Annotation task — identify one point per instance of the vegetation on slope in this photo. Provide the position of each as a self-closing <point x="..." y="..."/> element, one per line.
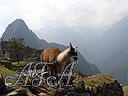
<point x="125" y="89"/>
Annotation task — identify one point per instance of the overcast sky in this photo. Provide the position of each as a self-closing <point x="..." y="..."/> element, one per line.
<point x="41" y="13"/>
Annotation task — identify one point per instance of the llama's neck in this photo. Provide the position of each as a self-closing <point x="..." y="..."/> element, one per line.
<point x="63" y="56"/>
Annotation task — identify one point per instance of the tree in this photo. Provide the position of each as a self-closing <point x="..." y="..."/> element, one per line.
<point x="17" y="46"/>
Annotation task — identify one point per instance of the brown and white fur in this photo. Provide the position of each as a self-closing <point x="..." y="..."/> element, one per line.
<point x="60" y="57"/>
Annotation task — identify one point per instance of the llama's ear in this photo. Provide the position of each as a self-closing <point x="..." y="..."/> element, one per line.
<point x="75" y="47"/>
<point x="70" y="45"/>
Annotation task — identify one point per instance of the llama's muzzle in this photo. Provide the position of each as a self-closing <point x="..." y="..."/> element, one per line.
<point x="75" y="57"/>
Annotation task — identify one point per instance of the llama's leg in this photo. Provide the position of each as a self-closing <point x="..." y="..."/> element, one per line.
<point x="50" y="70"/>
<point x="55" y="71"/>
<point x="52" y="74"/>
<point x="46" y="69"/>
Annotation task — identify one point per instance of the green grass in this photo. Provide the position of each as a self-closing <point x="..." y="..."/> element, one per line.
<point x="5" y="71"/>
<point x="22" y="63"/>
<point x="99" y="79"/>
<point x="90" y="82"/>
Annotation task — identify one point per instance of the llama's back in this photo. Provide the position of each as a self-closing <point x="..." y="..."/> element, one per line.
<point x="50" y="54"/>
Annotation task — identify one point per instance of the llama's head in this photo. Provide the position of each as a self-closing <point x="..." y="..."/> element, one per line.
<point x="73" y="52"/>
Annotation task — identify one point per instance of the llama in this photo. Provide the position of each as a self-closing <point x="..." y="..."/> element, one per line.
<point x="59" y="57"/>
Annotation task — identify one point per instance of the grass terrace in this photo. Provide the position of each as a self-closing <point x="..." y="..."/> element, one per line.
<point x="22" y="63"/>
<point x="5" y="71"/>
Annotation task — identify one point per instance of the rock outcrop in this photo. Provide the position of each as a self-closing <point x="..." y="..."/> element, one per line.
<point x="96" y="85"/>
<point x="101" y="85"/>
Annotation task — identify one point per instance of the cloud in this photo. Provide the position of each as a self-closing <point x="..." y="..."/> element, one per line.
<point x="42" y="13"/>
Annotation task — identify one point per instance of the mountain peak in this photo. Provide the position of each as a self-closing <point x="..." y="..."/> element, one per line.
<point x="18" y="23"/>
<point x="17" y="28"/>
